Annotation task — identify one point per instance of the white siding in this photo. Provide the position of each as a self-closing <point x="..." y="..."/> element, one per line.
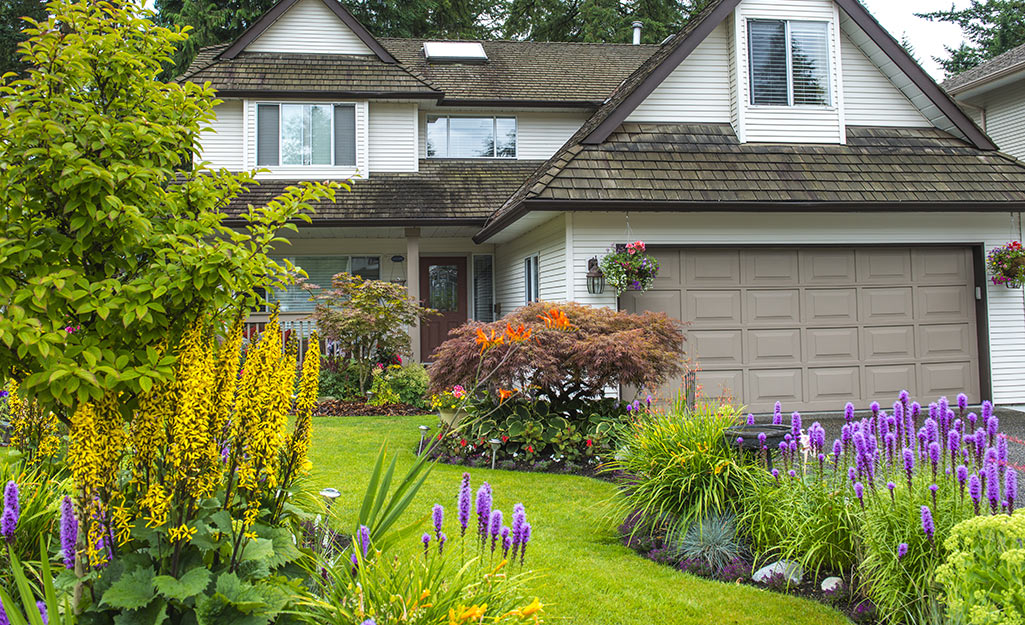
<point x="593" y="233"/>
<point x="1005" y="119"/>
<point x="309" y="27"/>
<point x="870" y="98"/>
<point x="548" y="241"/>
<point x="393" y="137"/>
<point x="790" y="124"/>
<point x="223" y="142"/>
<point x="698" y="90"/>
<point x="309" y="173"/>
<point x="539" y="134"/>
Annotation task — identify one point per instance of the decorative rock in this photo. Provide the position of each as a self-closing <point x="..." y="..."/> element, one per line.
<point x="791" y="571"/>
<point x="832" y="584"/>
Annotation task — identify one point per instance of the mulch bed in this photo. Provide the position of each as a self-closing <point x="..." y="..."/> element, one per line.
<point x="483" y="461"/>
<point x="342" y="408"/>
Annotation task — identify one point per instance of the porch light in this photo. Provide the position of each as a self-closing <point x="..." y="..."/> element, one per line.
<point x="595" y="278"/>
<point x="495" y="444"/>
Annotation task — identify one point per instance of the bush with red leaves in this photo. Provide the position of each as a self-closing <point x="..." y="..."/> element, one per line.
<point x="602" y="348"/>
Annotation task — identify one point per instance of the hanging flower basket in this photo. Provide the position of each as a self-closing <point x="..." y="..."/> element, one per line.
<point x="629" y="268"/>
<point x="1007" y="265"/>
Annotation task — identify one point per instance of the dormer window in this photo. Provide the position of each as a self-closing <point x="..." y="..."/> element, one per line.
<point x="789" y="63"/>
<point x="306" y="135"/>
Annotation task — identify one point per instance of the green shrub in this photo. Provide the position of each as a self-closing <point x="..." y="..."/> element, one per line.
<point x="983" y="577"/>
<point x="339" y="381"/>
<point x="677" y="464"/>
<point x="410" y="382"/>
<point x="713" y="541"/>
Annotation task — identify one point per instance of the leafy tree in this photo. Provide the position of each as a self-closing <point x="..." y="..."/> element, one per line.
<point x="211" y="21"/>
<point x="597" y="20"/>
<point x="991" y="27"/>
<point x="11" y="25"/>
<point x="108" y="249"/>
<point x="456" y="19"/>
<point x="367" y="320"/>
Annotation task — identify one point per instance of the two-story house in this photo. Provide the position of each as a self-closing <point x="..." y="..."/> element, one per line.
<point x="820" y="207"/>
<point x="994" y="95"/>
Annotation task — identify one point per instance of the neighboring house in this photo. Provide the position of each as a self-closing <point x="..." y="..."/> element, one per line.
<point x="994" y="95"/>
<point x="820" y="207"/>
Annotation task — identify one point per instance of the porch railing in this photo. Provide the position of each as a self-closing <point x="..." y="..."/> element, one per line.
<point x="302" y="325"/>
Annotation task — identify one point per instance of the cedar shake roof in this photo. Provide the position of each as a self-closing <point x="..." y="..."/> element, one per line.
<point x="648" y="166"/>
<point x="1009" y="62"/>
<point x="528" y="71"/>
<point x="443" y="191"/>
<point x="304" y="74"/>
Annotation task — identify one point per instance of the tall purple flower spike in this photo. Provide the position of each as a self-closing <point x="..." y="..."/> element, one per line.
<point x="1011" y="488"/>
<point x="496" y="528"/>
<point x="438" y="516"/>
<point x="506" y="541"/>
<point x="465" y="504"/>
<point x="975" y="490"/>
<point x="750" y="419"/>
<point x="859" y="492"/>
<point x="484" y="501"/>
<point x="426" y="540"/>
<point x="68" y="533"/>
<point x="962" y="402"/>
<point x="526" y="539"/>
<point x="848" y="412"/>
<point x="795" y="425"/>
<point x="902" y="550"/>
<point x="837" y="451"/>
<point x="364" y="539"/>
<point x="777" y="414"/>
<point x="11" y="512"/>
<point x="962" y="477"/>
<point x="909" y="464"/>
<point x="992" y="428"/>
<point x="927" y="523"/>
<point x="993" y="486"/>
<point x="874" y="407"/>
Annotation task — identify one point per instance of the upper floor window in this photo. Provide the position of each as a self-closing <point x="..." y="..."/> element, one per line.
<point x="306" y="135"/>
<point x="471" y="137"/>
<point x="789" y="62"/>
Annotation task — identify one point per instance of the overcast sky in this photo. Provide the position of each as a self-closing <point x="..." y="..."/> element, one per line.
<point x="927" y="38"/>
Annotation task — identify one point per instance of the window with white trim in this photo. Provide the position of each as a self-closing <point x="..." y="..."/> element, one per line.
<point x="789" y="62"/>
<point x="321" y="269"/>
<point x="306" y="135"/>
<point x="483" y="288"/>
<point x="450" y="136"/>
<point x="531" y="278"/>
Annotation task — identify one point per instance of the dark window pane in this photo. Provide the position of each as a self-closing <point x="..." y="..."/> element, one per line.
<point x="443" y="288"/>
<point x="809" y="55"/>
<point x="483" y="288"/>
<point x="267" y="135"/>
<point x="345" y="135"/>
<point x="767" y="44"/>
<point x="367" y="267"/>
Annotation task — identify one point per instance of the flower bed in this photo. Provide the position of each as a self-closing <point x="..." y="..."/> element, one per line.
<point x="343" y="408"/>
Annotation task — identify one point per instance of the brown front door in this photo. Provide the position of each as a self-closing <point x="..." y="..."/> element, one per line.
<point x="443" y="288"/>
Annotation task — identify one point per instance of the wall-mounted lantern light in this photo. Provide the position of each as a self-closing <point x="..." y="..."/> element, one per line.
<point x="595" y="278"/>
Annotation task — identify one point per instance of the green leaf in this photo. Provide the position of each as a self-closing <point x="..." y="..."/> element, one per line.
<point x="133" y="590"/>
<point x="155" y="613"/>
<point x="193" y="582"/>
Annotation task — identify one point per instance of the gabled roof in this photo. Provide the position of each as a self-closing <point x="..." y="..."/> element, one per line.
<point x="704" y="167"/>
<point x="283" y="6"/>
<point x="1000" y="66"/>
<point x="305" y="75"/>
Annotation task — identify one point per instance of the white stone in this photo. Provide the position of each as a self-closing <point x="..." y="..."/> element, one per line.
<point x="792" y="571"/>
<point x="832" y="584"/>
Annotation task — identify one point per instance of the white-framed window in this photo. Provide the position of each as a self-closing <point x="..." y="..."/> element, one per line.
<point x="483" y="280"/>
<point x="464" y="136"/>
<point x="531" y="276"/>
<point x="305" y="135"/>
<point x="320" y="270"/>
<point x="789" y="63"/>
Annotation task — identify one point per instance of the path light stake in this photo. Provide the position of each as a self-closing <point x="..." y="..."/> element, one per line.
<point x="329" y="495"/>
<point x="424" y="429"/>
<point x="495" y="444"/>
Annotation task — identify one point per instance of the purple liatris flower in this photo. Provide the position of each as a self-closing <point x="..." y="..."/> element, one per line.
<point x="426" y="540"/>
<point x="932" y="430"/>
<point x="916" y="411"/>
<point x="932" y="489"/>
<point x="42" y="612"/>
<point x="927" y="524"/>
<point x="962" y="402"/>
<point x="526" y="539"/>
<point x="962" y="477"/>
<point x="775" y="475"/>
<point x="369" y="621"/>
<point x="1002" y="451"/>
<point x="902" y="550"/>
<point x="740" y="441"/>
<point x="465" y="503"/>
<point x="975" y="490"/>
<point x="992" y="427"/>
<point x="993" y="486"/>
<point x="934" y="456"/>
<point x="3" y="615"/>
<point x="859" y="492"/>
<point x="909" y="463"/>
<point x="852" y="475"/>
<point x="846" y="435"/>
<point x="1011" y="488"/>
<point x="364" y="539"/>
<point x="506" y="542"/>
<point x="442" y="539"/>
<point x="777" y="414"/>
<point x="972" y="419"/>
<point x="69" y="533"/>
<point x="848" y="412"/>
<point x="484" y="501"/>
<point x="795" y="425"/>
<point x="987" y="410"/>
<point x="837" y="451"/>
<point x="874" y="407"/>
<point x="438" y="516"/>
<point x="496" y="528"/>
<point x="761" y="440"/>
<point x="817" y="436"/>
<point x="750" y="419"/>
<point x="792" y="473"/>
<point x="891" y="486"/>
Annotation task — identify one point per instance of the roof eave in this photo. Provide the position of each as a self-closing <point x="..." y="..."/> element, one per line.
<point x="988" y="83"/>
<point x="278" y="93"/>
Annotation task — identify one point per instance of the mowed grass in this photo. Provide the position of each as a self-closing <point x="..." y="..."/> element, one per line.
<point x="584" y="576"/>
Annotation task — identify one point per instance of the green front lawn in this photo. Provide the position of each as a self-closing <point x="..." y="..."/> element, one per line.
<point x="585" y="576"/>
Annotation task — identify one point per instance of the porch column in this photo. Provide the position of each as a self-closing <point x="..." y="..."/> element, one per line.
<point x="413" y="282"/>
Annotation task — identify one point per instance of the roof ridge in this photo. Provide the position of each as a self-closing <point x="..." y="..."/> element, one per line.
<point x="980" y="72"/>
<point x="533" y="41"/>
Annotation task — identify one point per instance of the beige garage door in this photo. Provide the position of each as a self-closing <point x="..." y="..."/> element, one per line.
<point x="816" y="327"/>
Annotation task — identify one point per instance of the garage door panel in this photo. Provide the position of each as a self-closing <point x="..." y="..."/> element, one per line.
<point x="767" y="386"/>
<point x="716" y="268"/>
<point x="773" y="307"/>
<point x="721" y="308"/>
<point x="941" y="265"/>
<point x="827" y="267"/>
<point x="943" y="303"/>
<point x="834" y="385"/>
<point x="774" y="346"/>
<point x="831" y="345"/>
<point x="668" y="302"/>
<point x="945" y="341"/>
<point x="717" y="347"/>
<point x="883" y="265"/>
<point x="831" y="306"/>
<point x="670" y="273"/>
<point x="721" y="383"/>
<point x="887" y="305"/>
<point x="948" y="378"/>
<point x="770" y="267"/>
<point x="897" y="342"/>
<point x="885" y="382"/>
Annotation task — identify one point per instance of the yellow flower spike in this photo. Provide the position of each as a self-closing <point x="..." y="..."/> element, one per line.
<point x="532" y="608"/>
<point x="309" y="386"/>
<point x="183" y="533"/>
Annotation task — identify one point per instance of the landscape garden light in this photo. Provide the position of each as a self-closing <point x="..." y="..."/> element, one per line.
<point x="495" y="444"/>
<point x="329" y="495"/>
<point x="595" y="277"/>
<point x="424" y="429"/>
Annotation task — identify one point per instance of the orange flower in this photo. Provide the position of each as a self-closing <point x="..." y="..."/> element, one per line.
<point x="556" y="319"/>
<point x="504" y="394"/>
<point x="487" y="342"/>
<point x="517" y="335"/>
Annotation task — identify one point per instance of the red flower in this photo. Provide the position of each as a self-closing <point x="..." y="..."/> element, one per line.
<point x="439" y="436"/>
<point x="530" y="448"/>
<point x="505" y="439"/>
<point x="589" y="443"/>
<point x="463" y="442"/>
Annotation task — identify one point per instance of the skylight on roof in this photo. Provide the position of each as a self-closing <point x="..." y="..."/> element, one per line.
<point x="455" y="52"/>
